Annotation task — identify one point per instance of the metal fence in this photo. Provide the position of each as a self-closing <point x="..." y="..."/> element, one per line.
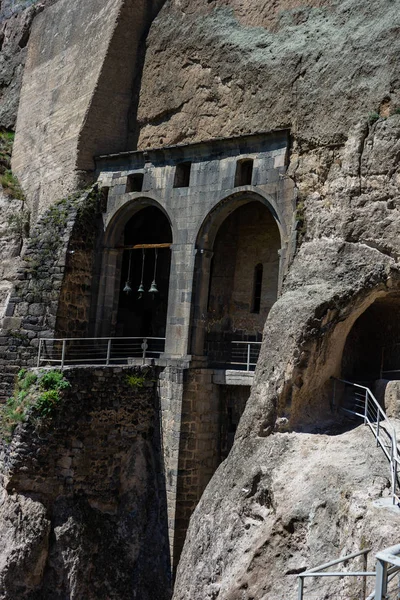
<point x="390" y="362"/>
<point x="98" y="351"/>
<point x="244" y="355"/>
<point x="387" y="582"/>
<point x="320" y="571"/>
<point x="366" y="407"/>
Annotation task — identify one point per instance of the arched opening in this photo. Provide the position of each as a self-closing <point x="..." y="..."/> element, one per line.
<point x="243" y="283"/>
<point x="144" y="281"/>
<point x="372" y="349"/>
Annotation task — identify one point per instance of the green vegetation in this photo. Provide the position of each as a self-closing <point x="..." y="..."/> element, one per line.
<point x="135" y="381"/>
<point x="8" y="181"/>
<point x="19" y="223"/>
<point x="40" y="393"/>
<point x="10" y="185"/>
<point x="373" y="117"/>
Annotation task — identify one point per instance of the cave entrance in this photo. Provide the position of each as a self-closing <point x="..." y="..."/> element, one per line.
<point x="144" y="282"/>
<point x="243" y="285"/>
<point x="372" y="348"/>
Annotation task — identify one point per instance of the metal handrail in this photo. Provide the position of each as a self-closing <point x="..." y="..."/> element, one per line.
<point x="376" y="425"/>
<point x="384" y="573"/>
<point x="247" y="362"/>
<point x="101" y="351"/>
<point x="315" y="571"/>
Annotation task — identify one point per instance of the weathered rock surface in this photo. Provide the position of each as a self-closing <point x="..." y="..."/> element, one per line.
<point x="82" y="511"/>
<point x="15" y="25"/>
<point x="12" y="215"/>
<point x="321" y="70"/>
<point x="215" y="69"/>
<point x="281" y="504"/>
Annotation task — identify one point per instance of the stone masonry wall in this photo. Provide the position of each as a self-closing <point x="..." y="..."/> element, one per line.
<point x="77" y="92"/>
<point x="199" y="448"/>
<point x="90" y="482"/>
<point x="39" y="296"/>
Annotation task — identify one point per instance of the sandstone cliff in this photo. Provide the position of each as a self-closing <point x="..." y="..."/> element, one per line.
<point x="322" y="69"/>
<point x="15" y="25"/>
<point x="328" y="70"/>
<point x="282" y="504"/>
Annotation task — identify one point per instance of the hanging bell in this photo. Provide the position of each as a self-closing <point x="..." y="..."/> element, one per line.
<point x="141" y="291"/>
<point x="153" y="288"/>
<point x="127" y="289"/>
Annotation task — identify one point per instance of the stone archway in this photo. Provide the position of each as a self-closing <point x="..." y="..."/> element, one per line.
<point x="238" y="272"/>
<point x="136" y="250"/>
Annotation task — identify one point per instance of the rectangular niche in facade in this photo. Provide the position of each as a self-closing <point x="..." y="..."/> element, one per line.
<point x="134" y="182"/>
<point x="244" y="172"/>
<point x="182" y="175"/>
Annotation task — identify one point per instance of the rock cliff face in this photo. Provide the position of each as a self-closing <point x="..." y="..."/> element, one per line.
<point x="222" y="68"/>
<point x="82" y="497"/>
<point x="283" y="504"/>
<point x="15" y="26"/>
<point x="281" y="501"/>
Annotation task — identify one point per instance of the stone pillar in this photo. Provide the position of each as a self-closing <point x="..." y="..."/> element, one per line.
<point x="199" y="448"/>
<point x="201" y="289"/>
<point x="179" y="300"/>
<point x="170" y="389"/>
<point x="107" y="305"/>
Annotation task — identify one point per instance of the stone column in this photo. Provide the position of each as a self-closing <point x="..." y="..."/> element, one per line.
<point x="202" y="284"/>
<point x="107" y="304"/>
<point x="179" y="300"/>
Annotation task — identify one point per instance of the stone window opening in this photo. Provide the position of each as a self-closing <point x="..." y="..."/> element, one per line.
<point x="257" y="288"/>
<point x="105" y="191"/>
<point x="244" y="172"/>
<point x="182" y="175"/>
<point x="134" y="183"/>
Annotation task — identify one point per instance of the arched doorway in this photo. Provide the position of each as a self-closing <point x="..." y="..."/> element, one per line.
<point x="137" y="251"/>
<point x="372" y="348"/>
<point x="243" y="282"/>
<point x="144" y="281"/>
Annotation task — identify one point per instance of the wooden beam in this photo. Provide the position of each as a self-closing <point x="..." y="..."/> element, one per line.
<point x="144" y="246"/>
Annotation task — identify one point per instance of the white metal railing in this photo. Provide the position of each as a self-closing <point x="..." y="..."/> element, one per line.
<point x="387" y="569"/>
<point x="368" y="408"/>
<point x="319" y="571"/>
<point x="390" y="362"/>
<point x="97" y="351"/>
<point x="245" y="354"/>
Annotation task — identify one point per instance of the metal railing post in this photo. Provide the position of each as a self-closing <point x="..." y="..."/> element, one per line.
<point x="248" y="356"/>
<point x="378" y="428"/>
<point x="364" y="584"/>
<point x="63" y="353"/>
<point x="366" y="408"/>
<point x="40" y="352"/>
<point x="381" y="579"/>
<point x="108" y="352"/>
<point x="333" y="397"/>
<point x="301" y="588"/>
<point x="395" y="456"/>
<point x="144" y="348"/>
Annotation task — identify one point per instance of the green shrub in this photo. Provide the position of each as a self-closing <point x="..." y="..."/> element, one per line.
<point x="373" y="117"/>
<point x="47" y="402"/>
<point x="41" y="393"/>
<point x="11" y="186"/>
<point x="53" y="380"/>
<point x="135" y="381"/>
